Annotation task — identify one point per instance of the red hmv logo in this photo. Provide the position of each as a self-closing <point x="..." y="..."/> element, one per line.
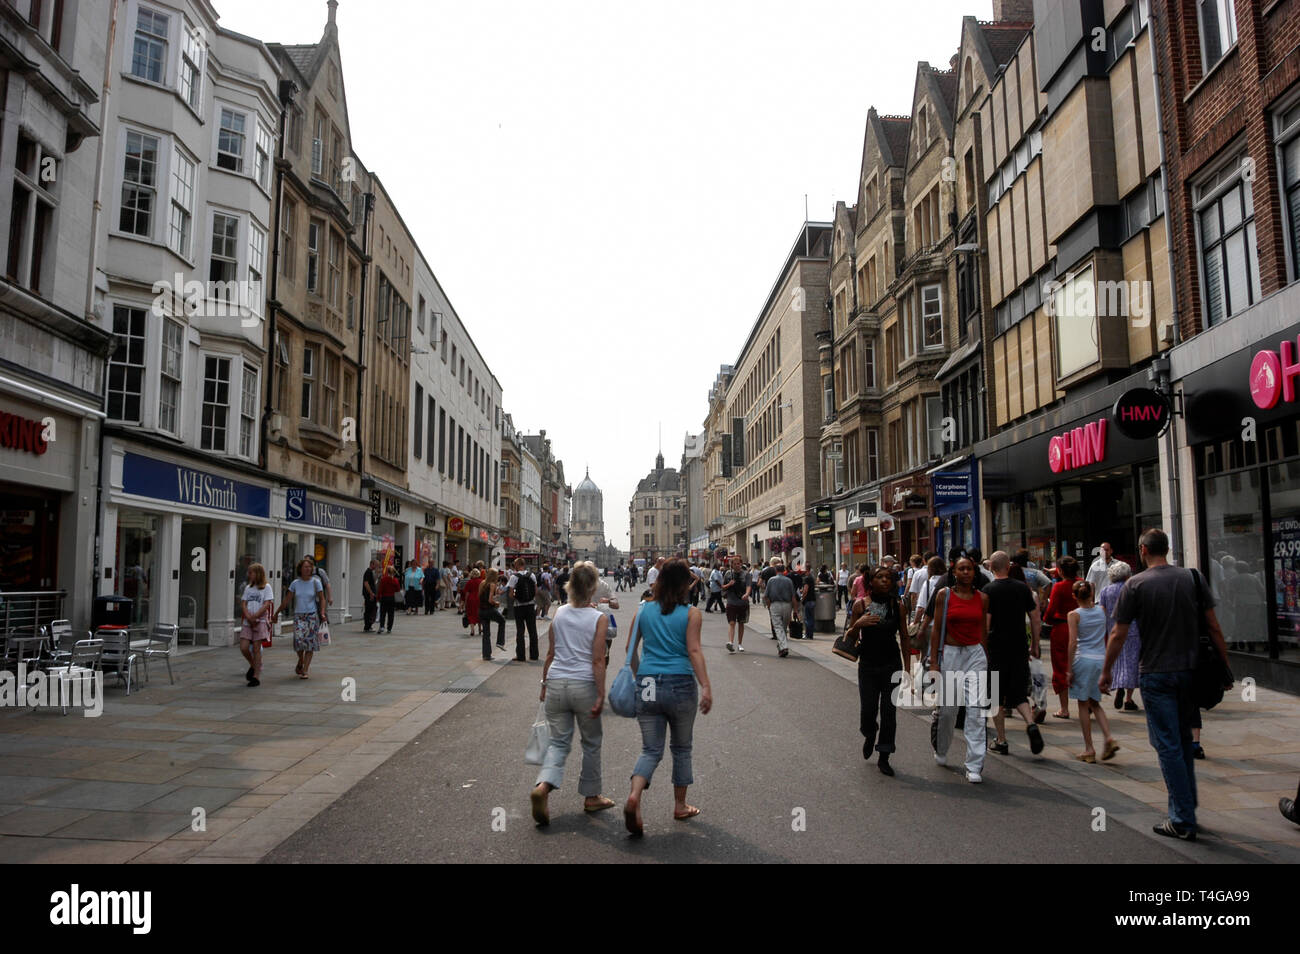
<point x="1272" y="376"/>
<point x="1078" y="448"/>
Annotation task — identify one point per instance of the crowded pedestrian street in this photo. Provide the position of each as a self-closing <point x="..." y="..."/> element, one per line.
<point x="426" y="765"/>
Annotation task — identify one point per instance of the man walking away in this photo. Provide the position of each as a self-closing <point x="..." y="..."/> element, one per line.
<point x="1167" y="602"/>
<point x="1009" y="602"/>
<point x="715" y="590"/>
<point x="431" y="577"/>
<point x="736" y="588"/>
<point x="522" y="587"/>
<point x="778" y="595"/>
<point x="370" y="594"/>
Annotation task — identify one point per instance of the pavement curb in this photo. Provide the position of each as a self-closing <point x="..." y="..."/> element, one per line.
<point x="261" y="834"/>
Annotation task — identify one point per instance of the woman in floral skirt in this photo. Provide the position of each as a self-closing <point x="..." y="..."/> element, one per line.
<point x="307" y="596"/>
<point x="1124" y="677"/>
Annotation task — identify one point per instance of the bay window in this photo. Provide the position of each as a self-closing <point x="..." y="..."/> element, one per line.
<point x="182" y="203"/>
<point x="169" y="383"/>
<point x="139" y="184"/>
<point x="230" y="140"/>
<point x="247" y="411"/>
<point x="149" y="50"/>
<point x="216" y="403"/>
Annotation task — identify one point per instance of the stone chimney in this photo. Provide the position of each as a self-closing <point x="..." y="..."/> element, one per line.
<point x="334" y="9"/>
<point x="1014" y="11"/>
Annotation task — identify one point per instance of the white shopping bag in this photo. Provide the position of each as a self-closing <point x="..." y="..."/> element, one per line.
<point x="538" y="739"/>
<point x="1038" y="679"/>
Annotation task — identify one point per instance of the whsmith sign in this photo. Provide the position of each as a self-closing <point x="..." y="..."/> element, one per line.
<point x="147" y="477"/>
<point x="299" y="508"/>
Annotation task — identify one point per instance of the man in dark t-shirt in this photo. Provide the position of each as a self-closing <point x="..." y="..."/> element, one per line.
<point x="1010" y="601"/>
<point x="370" y="594"/>
<point x="1171" y="601"/>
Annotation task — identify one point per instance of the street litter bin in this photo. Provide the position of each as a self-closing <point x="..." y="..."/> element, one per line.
<point x="111" y="611"/>
<point x="824" y="608"/>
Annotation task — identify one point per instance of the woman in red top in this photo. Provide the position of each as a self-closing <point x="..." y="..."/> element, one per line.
<point x="389" y="584"/>
<point x="1059" y="605"/>
<point x="471" y="596"/>
<point x="961" y="624"/>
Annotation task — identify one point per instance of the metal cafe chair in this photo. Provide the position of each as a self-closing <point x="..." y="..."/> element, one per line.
<point x="157" y="644"/>
<point x="25" y="651"/>
<point x="81" y="664"/>
<point x="60" y="639"/>
<point x="118" y="657"/>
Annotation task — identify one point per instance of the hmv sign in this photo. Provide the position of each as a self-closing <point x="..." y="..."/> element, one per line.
<point x="1080" y="447"/>
<point x="1141" y="414"/>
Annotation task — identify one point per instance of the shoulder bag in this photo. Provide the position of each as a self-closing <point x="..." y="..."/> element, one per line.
<point x="848" y="646"/>
<point x="622" y="694"/>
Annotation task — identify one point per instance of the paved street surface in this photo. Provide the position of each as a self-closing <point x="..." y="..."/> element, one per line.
<point x="781" y="742"/>
<point x="415" y="767"/>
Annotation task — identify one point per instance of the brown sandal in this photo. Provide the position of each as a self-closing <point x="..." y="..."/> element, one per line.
<point x="691" y="812"/>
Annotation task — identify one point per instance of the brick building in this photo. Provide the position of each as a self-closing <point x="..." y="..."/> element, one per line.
<point x="1230" y="102"/>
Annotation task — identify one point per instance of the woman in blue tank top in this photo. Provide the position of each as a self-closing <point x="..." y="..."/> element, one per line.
<point x="671" y="663"/>
<point x="1087" y="653"/>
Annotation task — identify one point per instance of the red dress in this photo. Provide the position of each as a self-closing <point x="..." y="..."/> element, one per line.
<point x="1059" y="605"/>
<point x="471" y="600"/>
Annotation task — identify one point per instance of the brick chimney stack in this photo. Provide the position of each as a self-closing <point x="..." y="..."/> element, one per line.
<point x="1015" y="11"/>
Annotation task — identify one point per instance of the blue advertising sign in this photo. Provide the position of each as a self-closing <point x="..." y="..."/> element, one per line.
<point x="951" y="488"/>
<point x="147" y="477"/>
<point x="299" y="508"/>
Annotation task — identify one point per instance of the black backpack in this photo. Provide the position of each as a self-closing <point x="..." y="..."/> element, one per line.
<point x="525" y="588"/>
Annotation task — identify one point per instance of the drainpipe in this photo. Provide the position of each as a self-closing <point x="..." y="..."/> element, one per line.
<point x="287" y="91"/>
<point x="1171" y="444"/>
<point x="92" y="265"/>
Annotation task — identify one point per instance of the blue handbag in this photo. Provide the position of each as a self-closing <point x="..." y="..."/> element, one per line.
<point x="622" y="694"/>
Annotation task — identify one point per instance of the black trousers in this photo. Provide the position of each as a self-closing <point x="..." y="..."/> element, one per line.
<point x="841" y="595"/>
<point x="430" y="599"/>
<point x="525" y="616"/>
<point x="486" y="617"/>
<point x="387" y="607"/>
<point x="875" y="690"/>
<point x="372" y="610"/>
<point x="715" y="599"/>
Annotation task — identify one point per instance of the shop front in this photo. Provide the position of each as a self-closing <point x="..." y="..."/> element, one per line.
<point x="456" y="545"/>
<point x="1242" y="432"/>
<point x="821" y="536"/>
<point x="179" y="536"/>
<point x="428" y="539"/>
<point x="48" y="464"/>
<point x="908" y="501"/>
<point x="955" y="491"/>
<point x="859" y="541"/>
<point x="1070" y="487"/>
<point x="334" y="533"/>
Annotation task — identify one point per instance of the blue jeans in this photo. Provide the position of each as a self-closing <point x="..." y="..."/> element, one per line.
<point x="809" y="622"/>
<point x="1171" y="708"/>
<point x="569" y="701"/>
<point x="673" y="702"/>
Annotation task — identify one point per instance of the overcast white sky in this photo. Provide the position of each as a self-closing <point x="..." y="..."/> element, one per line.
<point x="606" y="190"/>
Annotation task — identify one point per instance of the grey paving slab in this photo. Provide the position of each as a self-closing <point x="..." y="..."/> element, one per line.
<point x="186" y="799"/>
<point x="20" y="788"/>
<point x="125" y="826"/>
<point x="29" y="820"/>
<point x="107" y="796"/>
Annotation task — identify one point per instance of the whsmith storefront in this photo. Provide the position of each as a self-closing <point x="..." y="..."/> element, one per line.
<point x="1240" y="441"/>
<point x="1067" y="482"/>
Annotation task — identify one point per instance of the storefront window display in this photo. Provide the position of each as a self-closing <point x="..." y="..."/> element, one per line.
<point x="137" y="562"/>
<point x="291" y="551"/>
<point x="247" y="552"/>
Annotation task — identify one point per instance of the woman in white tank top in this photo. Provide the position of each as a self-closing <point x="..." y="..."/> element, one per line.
<point x="573" y="688"/>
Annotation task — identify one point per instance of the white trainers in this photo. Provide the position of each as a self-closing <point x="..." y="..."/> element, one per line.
<point x="740" y="649"/>
<point x="974" y="778"/>
<point x="940" y="759"/>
